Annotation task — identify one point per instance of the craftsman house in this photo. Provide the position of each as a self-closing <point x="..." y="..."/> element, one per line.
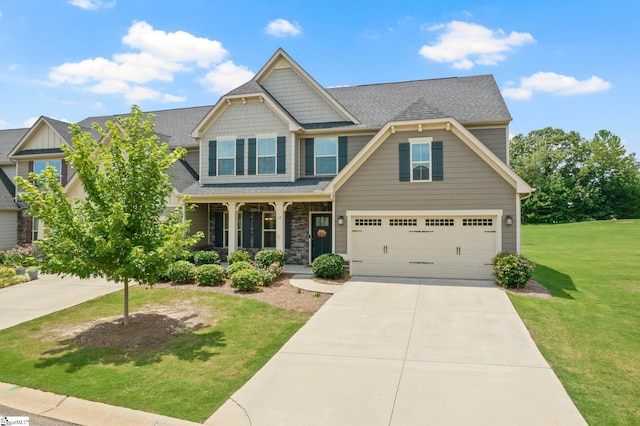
<point x="402" y="179"/>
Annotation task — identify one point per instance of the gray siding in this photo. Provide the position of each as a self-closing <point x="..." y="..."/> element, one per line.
<point x="469" y="184"/>
<point x="8" y="229"/>
<point x="245" y="121"/>
<point x="301" y="100"/>
<point x="193" y="159"/>
<point x="200" y="222"/>
<point x="494" y="139"/>
<point x="354" y="145"/>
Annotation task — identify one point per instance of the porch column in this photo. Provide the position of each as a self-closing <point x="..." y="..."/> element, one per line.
<point x="280" y="208"/>
<point x="232" y="239"/>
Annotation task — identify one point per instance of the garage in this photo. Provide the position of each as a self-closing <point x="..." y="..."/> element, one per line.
<point x="433" y="245"/>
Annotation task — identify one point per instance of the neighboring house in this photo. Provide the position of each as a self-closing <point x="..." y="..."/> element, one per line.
<point x="9" y="210"/>
<point x="401" y="179"/>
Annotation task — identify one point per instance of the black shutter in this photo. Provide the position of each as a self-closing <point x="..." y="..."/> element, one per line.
<point x="212" y="158"/>
<point x="309" y="167"/>
<point x="281" y="154"/>
<point x="28" y="227"/>
<point x="257" y="229"/>
<point x="287" y="230"/>
<point x="438" y="166"/>
<point x="342" y="152"/>
<point x="218" y="229"/>
<point x="246" y="230"/>
<point x="239" y="157"/>
<point x="251" y="167"/>
<point x="405" y="163"/>
<point x="63" y="172"/>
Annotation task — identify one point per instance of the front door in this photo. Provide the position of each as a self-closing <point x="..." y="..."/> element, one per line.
<point x="321" y="235"/>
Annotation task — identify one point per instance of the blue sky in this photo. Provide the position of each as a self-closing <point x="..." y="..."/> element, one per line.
<point x="568" y="64"/>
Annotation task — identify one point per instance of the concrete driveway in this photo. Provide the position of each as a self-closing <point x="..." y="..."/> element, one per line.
<point x="406" y="352"/>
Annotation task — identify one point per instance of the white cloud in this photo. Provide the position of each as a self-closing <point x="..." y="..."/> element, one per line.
<point x="283" y="28"/>
<point x="556" y="84"/>
<point x="161" y="56"/>
<point x="465" y="44"/>
<point x="225" y="77"/>
<point x="30" y="121"/>
<point x="92" y="4"/>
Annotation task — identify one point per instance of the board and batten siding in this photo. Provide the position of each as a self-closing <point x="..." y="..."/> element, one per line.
<point x="45" y="138"/>
<point x="354" y="145"/>
<point x="469" y="184"/>
<point x="301" y="100"/>
<point x="8" y="229"/>
<point x="495" y="140"/>
<point x="245" y="121"/>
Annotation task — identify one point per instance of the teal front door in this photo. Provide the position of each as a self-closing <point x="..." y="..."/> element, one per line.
<point x="321" y="235"/>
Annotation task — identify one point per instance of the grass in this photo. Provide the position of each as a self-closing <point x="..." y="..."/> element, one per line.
<point x="188" y="376"/>
<point x="590" y="330"/>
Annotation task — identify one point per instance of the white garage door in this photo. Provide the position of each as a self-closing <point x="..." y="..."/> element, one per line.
<point x="423" y="246"/>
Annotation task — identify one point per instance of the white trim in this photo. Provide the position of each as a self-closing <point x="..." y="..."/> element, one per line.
<point x="518" y="222"/>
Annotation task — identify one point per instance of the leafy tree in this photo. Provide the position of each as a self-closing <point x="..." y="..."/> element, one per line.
<point x="118" y="230"/>
<point x="575" y="179"/>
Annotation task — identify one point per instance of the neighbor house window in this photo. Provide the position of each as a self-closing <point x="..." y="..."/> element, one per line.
<point x="34" y="229"/>
<point x="420" y="161"/>
<point x="268" y="229"/>
<point x="326" y="156"/>
<point x="267" y="156"/>
<point x="226" y="157"/>
<point x="40" y="165"/>
<point x="225" y="228"/>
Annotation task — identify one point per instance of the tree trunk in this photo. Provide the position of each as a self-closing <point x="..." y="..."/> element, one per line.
<point x="126" y="304"/>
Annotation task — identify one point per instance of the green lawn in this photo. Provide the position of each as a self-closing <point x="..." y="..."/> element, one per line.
<point x="188" y="376"/>
<point x="590" y="330"/>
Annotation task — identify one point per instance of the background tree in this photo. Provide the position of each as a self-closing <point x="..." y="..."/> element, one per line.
<point x="118" y="231"/>
<point x="576" y="179"/>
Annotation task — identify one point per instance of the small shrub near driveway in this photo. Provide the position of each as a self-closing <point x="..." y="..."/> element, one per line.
<point x="182" y="272"/>
<point x="210" y="275"/>
<point x="246" y="279"/>
<point x="512" y="270"/>
<point x="206" y="257"/>
<point x="238" y="266"/>
<point x="264" y="258"/>
<point x="328" y="266"/>
<point x="239" y="256"/>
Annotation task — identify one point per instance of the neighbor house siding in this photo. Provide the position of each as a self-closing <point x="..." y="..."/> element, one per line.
<point x="245" y="121"/>
<point x="301" y="100"/>
<point x="494" y="139"/>
<point x="469" y="184"/>
<point x="354" y="145"/>
<point x="8" y="229"/>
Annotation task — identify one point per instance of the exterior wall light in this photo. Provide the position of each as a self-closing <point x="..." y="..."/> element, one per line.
<point x="340" y="220"/>
<point x="509" y="220"/>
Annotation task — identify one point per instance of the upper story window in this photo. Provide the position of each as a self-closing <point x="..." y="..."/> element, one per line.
<point x="40" y="165"/>
<point x="326" y="156"/>
<point x="420" y="161"/>
<point x="226" y="157"/>
<point x="267" y="155"/>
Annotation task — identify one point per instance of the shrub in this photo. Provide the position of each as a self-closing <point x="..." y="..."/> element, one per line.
<point x="206" y="257"/>
<point x="264" y="258"/>
<point x="211" y="275"/>
<point x="328" y="266"/>
<point x="182" y="272"/>
<point x="239" y="256"/>
<point x="238" y="266"/>
<point x="270" y="273"/>
<point x="6" y="272"/>
<point x="512" y="270"/>
<point x="246" y="279"/>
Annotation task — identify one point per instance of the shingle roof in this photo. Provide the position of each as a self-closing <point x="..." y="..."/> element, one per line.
<point x="61" y="127"/>
<point x="475" y="99"/>
<point x="300" y="186"/>
<point x="182" y="175"/>
<point x="8" y="140"/>
<point x="7" y="189"/>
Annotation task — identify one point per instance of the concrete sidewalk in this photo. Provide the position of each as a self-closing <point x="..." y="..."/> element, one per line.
<point x="406" y="352"/>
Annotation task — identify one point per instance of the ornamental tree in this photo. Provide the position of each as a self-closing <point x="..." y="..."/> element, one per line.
<point x="119" y="230"/>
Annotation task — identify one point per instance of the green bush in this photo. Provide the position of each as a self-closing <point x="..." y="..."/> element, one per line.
<point x="328" y="266"/>
<point x="264" y="258"/>
<point x="270" y="273"/>
<point x="239" y="256"/>
<point x="512" y="270"/>
<point x="206" y="257"/>
<point x="6" y="272"/>
<point x="182" y="272"/>
<point x="211" y="275"/>
<point x="238" y="266"/>
<point x="246" y="279"/>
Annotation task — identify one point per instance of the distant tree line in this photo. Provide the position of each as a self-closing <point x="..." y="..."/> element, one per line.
<point x="576" y="179"/>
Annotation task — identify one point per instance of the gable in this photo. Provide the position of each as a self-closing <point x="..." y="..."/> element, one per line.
<point x="44" y="138"/>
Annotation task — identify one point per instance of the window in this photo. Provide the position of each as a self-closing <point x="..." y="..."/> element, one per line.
<point x="420" y="161"/>
<point x="477" y="222"/>
<point x="268" y="229"/>
<point x="34" y="229"/>
<point x="40" y="165"/>
<point x="226" y="157"/>
<point x="403" y="222"/>
<point x="368" y="222"/>
<point x="225" y="228"/>
<point x="266" y="156"/>
<point x="326" y="156"/>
